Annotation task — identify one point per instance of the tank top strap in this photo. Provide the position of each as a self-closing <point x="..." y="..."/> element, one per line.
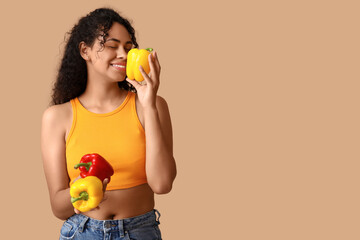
<point x="132" y="105"/>
<point x="74" y="117"/>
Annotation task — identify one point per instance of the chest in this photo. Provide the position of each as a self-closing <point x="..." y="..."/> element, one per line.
<point x="69" y="119"/>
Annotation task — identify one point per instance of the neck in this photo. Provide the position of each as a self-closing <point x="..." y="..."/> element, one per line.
<point x="101" y="93"/>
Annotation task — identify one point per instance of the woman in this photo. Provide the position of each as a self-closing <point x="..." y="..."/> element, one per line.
<point x="97" y="109"/>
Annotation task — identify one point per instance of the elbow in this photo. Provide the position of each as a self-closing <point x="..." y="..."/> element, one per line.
<point x="60" y="212"/>
<point x="162" y="189"/>
<point x="59" y="215"/>
<point x="62" y="215"/>
<point x="164" y="184"/>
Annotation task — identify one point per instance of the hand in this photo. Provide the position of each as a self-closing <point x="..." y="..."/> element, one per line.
<point x="76" y="179"/>
<point x="105" y="183"/>
<point x="148" y="88"/>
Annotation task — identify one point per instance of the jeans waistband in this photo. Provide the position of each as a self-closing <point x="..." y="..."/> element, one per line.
<point x="121" y="225"/>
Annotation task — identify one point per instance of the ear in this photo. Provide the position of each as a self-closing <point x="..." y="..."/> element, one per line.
<point x="83" y="51"/>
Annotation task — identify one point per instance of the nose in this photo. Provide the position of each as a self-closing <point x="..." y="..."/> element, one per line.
<point x="121" y="53"/>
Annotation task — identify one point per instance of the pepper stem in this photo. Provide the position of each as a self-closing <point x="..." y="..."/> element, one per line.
<point x="82" y="196"/>
<point x="149" y="49"/>
<point x="86" y="165"/>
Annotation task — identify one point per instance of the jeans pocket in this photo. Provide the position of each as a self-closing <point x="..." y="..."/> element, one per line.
<point x="68" y="230"/>
<point x="149" y="232"/>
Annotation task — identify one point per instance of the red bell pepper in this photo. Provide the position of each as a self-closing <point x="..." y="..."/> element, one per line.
<point x="95" y="165"/>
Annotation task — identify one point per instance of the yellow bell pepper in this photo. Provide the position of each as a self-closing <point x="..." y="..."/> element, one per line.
<point x="136" y="58"/>
<point x="86" y="193"/>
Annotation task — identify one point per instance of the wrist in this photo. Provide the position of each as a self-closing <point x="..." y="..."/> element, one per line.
<point x="150" y="113"/>
<point x="150" y="109"/>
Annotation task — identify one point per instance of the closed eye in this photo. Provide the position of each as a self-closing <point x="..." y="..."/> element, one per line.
<point x="126" y="49"/>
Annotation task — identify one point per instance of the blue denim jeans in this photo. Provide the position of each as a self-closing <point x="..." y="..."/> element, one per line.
<point x="142" y="227"/>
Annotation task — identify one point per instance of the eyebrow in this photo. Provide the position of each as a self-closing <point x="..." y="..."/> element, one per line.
<point x="116" y="40"/>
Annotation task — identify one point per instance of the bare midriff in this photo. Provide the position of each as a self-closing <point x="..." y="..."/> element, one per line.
<point x="124" y="203"/>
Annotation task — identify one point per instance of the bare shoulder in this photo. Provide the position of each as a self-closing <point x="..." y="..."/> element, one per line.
<point x="57" y="112"/>
<point x="161" y="105"/>
<point x="161" y="102"/>
<point x="57" y="116"/>
<point x="163" y="108"/>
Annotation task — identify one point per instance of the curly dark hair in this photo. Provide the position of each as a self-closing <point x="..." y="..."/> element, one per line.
<point x="72" y="74"/>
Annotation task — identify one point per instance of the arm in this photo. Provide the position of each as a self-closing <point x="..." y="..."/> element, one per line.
<point x="54" y="162"/>
<point x="160" y="163"/>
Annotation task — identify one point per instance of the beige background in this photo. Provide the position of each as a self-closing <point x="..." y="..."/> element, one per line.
<point x="264" y="100"/>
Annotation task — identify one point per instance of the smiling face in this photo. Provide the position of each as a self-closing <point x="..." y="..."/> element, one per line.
<point x="109" y="61"/>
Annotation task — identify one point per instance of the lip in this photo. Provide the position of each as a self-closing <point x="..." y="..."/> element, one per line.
<point x="123" y="68"/>
<point x="119" y="63"/>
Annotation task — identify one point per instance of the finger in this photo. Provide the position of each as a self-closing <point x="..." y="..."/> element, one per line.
<point x="156" y="67"/>
<point x="105" y="183"/>
<point x="76" y="179"/>
<point x="157" y="63"/>
<point x="76" y="211"/>
<point x="153" y="69"/>
<point x="134" y="83"/>
<point x="147" y="79"/>
<point x="152" y="61"/>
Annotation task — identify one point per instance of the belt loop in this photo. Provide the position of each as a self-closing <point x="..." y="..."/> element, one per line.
<point x="83" y="222"/>
<point x="121" y="227"/>
<point x="158" y="220"/>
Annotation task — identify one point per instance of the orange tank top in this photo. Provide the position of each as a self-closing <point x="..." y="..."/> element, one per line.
<point x="118" y="136"/>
